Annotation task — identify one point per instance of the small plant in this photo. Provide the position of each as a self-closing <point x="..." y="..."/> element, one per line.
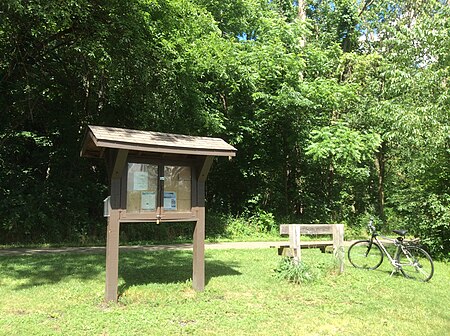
<point x="296" y="272"/>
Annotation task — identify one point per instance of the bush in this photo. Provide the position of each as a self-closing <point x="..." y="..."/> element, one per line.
<point x="258" y="224"/>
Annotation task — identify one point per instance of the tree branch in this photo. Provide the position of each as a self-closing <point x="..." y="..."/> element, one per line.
<point x="366" y="5"/>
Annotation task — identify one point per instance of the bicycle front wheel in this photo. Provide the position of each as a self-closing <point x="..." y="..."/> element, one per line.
<point x="365" y="254"/>
<point x="416" y="264"/>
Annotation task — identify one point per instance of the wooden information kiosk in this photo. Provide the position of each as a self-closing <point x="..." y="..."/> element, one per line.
<point x="154" y="177"/>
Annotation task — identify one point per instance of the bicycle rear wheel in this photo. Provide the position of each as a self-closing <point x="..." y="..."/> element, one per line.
<point x="366" y="255"/>
<point x="416" y="264"/>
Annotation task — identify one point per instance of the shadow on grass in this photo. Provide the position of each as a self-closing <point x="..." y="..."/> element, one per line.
<point x="38" y="270"/>
<point x="141" y="268"/>
<point x="384" y="270"/>
<point x="135" y="268"/>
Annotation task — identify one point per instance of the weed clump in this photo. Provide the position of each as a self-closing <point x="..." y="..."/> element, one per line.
<point x="296" y="272"/>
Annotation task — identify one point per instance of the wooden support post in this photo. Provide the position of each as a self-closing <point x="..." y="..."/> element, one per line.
<point x="112" y="233"/>
<point x="338" y="245"/>
<point x="294" y="242"/>
<point x="112" y="256"/>
<point x="198" y="262"/>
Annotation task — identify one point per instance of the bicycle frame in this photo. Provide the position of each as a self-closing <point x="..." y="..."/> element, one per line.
<point x="399" y="247"/>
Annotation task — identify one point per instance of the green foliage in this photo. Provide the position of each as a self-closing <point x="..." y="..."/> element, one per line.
<point x="297" y="273"/>
<point x="336" y="116"/>
<point x="148" y="233"/>
<point x="343" y="148"/>
<point x="260" y="224"/>
<point x="238" y="227"/>
<point x="431" y="223"/>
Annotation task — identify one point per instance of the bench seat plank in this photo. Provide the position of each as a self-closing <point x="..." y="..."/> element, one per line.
<point x="308" y="229"/>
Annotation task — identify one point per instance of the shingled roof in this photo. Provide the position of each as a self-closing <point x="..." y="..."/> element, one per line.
<point x="98" y="138"/>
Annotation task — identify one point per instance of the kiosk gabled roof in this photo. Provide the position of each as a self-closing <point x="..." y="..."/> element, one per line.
<point x="98" y="138"/>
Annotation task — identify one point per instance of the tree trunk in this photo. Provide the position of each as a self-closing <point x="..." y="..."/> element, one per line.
<point x="301" y="10"/>
<point x="380" y="161"/>
<point x="302" y="17"/>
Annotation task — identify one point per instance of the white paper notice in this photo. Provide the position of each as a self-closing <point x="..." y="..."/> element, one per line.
<point x="148" y="200"/>
<point x="140" y="181"/>
<point x="170" y="200"/>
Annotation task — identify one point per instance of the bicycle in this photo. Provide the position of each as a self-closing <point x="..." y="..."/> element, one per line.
<point x="409" y="258"/>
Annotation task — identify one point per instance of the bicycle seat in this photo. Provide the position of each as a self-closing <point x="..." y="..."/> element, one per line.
<point x="400" y="232"/>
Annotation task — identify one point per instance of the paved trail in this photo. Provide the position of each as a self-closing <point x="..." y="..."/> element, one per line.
<point x="101" y="249"/>
<point x="173" y="247"/>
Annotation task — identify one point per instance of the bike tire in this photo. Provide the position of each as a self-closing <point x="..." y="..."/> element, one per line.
<point x="365" y="254"/>
<point x="416" y="263"/>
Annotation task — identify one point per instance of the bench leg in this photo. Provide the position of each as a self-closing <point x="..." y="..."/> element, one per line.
<point x="294" y="242"/>
<point x="338" y="245"/>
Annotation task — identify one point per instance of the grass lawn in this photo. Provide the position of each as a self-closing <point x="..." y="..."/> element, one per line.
<point x="62" y="294"/>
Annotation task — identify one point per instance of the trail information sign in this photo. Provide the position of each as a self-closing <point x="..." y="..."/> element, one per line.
<point x="154" y="177"/>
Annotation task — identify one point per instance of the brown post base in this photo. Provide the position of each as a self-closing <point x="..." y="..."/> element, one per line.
<point x="112" y="256"/>
<point x="198" y="263"/>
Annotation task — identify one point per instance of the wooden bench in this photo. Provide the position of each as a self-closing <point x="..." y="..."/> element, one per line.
<point x="295" y="230"/>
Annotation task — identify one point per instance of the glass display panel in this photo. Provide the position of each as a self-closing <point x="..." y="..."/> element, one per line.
<point x="142" y="187"/>
<point x="177" y="188"/>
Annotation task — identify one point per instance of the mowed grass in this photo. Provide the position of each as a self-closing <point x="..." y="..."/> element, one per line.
<point x="62" y="294"/>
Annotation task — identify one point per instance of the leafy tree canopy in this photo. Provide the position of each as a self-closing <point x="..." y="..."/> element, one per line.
<point x="339" y="109"/>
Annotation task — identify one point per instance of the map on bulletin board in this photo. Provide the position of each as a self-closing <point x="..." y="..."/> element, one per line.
<point x="170" y="200"/>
